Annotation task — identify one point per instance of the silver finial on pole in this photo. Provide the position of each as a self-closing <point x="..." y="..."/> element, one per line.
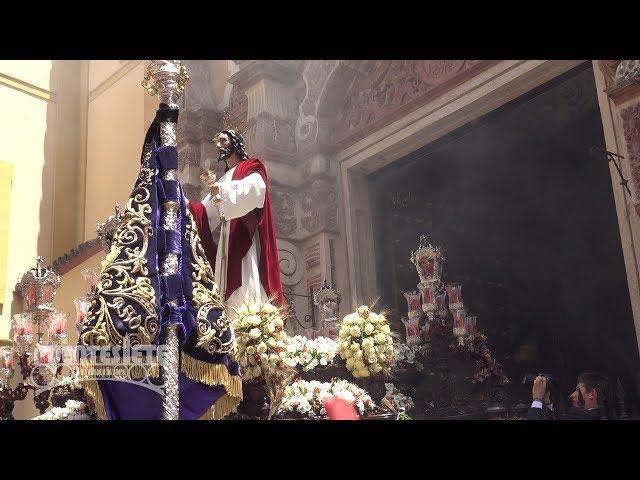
<point x="168" y="78"/>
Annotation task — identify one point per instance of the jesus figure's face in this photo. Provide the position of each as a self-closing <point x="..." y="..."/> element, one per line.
<point x="224" y="146"/>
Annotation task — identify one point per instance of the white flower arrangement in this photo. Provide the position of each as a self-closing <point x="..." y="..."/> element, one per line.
<point x="305" y="397"/>
<point x="397" y="400"/>
<point x="309" y="353"/>
<point x="403" y="353"/>
<point x="365" y="343"/>
<point x="72" y="410"/>
<point x="262" y="341"/>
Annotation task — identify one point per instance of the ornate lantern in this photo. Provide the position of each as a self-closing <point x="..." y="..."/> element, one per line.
<point x="328" y="299"/>
<point x="38" y="289"/>
<point x="428" y="261"/>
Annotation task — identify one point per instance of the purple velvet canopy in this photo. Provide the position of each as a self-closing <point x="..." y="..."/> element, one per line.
<point x="135" y="302"/>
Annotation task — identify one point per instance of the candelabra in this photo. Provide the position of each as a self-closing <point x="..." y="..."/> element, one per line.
<point x="448" y="330"/>
<point x="39" y="360"/>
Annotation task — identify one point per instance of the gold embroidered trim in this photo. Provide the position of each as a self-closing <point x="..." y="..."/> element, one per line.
<point x="124" y="277"/>
<point x="223" y="407"/>
<point x="215" y="375"/>
<point x="219" y="336"/>
<point x="91" y="389"/>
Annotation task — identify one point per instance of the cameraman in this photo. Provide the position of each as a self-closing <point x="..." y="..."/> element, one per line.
<point x="591" y="400"/>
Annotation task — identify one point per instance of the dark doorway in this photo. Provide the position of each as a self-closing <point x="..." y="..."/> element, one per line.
<point x="528" y="223"/>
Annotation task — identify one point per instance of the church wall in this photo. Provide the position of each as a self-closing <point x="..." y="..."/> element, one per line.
<point x="117" y="114"/>
<point x="27" y="141"/>
<point x="619" y="100"/>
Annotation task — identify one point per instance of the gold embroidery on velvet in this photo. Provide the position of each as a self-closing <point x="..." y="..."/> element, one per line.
<point x="207" y="297"/>
<point x="124" y="277"/>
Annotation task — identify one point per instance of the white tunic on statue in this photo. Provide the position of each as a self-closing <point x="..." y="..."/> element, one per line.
<point x="238" y="197"/>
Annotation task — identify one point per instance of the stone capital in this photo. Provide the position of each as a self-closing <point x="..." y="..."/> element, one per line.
<point x="251" y="72"/>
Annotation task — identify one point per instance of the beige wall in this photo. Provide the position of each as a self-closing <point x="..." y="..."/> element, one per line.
<point x="116" y="125"/>
<point x="27" y="129"/>
<point x="39" y="136"/>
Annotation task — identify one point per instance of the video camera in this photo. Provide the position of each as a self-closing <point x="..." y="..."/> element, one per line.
<point x="552" y="384"/>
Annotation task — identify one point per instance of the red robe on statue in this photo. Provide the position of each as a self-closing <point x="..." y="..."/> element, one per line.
<point x="241" y="233"/>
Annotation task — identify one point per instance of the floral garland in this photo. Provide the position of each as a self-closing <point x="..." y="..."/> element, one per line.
<point x="366" y="343"/>
<point x="305" y="397"/>
<point x="72" y="410"/>
<point x="262" y="341"/>
<point x="309" y="353"/>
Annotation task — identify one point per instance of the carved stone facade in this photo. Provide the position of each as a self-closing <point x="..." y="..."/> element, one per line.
<point x="196" y="151"/>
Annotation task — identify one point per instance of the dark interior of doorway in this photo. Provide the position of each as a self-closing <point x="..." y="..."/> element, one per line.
<point x="528" y="222"/>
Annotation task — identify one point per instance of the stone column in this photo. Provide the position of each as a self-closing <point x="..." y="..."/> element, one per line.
<point x="618" y="84"/>
<point x="196" y="150"/>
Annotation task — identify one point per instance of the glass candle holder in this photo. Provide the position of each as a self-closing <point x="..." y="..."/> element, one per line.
<point x="471" y="323"/>
<point x="454" y="290"/>
<point x="6" y="365"/>
<point x="82" y="309"/>
<point x="459" y="323"/>
<point x="413" y="304"/>
<point x="441" y="304"/>
<point x="428" y="292"/>
<point x="22" y="324"/>
<point x="57" y="328"/>
<point x="412" y="329"/>
<point x="91" y="278"/>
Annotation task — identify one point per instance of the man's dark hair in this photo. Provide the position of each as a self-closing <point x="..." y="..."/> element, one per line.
<point x="602" y="385"/>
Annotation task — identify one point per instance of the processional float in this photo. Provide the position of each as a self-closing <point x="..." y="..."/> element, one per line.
<point x="156" y="294"/>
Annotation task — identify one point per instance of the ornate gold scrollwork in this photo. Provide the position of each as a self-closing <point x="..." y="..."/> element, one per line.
<point x="207" y="297"/>
<point x="123" y="278"/>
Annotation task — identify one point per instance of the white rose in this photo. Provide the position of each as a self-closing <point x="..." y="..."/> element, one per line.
<point x="278" y="322"/>
<point x="386" y="329"/>
<point x="358" y="355"/>
<point x="359" y="364"/>
<point x="251" y="350"/>
<point x="363" y="311"/>
<point x="363" y="373"/>
<point x="262" y="347"/>
<point x="273" y="358"/>
<point x="355" y="347"/>
<point x="372" y="359"/>
<point x="380" y="338"/>
<point x="268" y="308"/>
<point x="254" y="308"/>
<point x="271" y="342"/>
<point x="355" y="331"/>
<point x="264" y="358"/>
<point x="271" y="328"/>
<point x="255" y="333"/>
<point x="375" y="368"/>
